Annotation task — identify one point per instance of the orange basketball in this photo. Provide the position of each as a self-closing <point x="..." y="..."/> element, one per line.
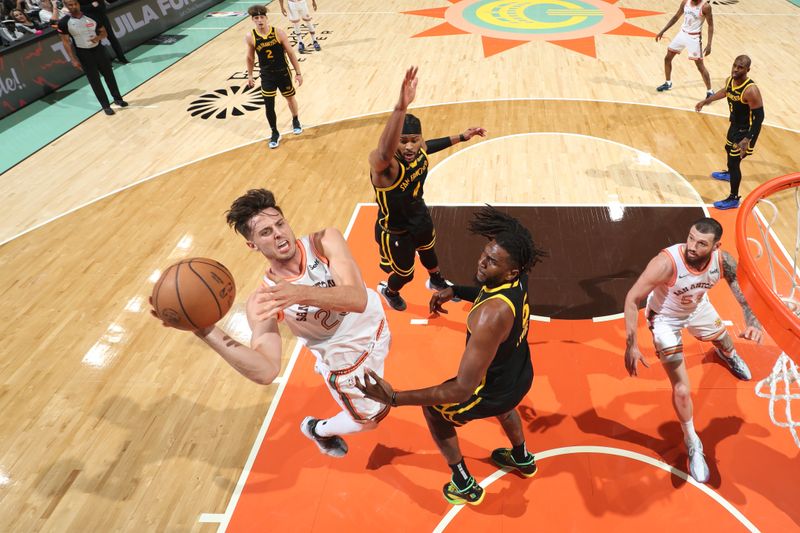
<point x="194" y="293"/>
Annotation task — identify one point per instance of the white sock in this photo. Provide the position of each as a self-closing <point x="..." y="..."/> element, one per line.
<point x="310" y="26"/>
<point x="341" y="424"/>
<point x="297" y="31"/>
<point x="689" y="434"/>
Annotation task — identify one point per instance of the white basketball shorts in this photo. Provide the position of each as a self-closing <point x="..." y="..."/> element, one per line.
<point x="297" y="9"/>
<point x="342" y="383"/>
<point x="704" y="324"/>
<point x="692" y="43"/>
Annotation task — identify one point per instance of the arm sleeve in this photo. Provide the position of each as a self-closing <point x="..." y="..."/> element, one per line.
<point x="466" y="292"/>
<point x="757" y="116"/>
<point x="63" y="25"/>
<point x="436" y="145"/>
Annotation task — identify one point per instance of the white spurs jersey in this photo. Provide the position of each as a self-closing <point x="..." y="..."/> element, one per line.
<point x="693" y="17"/>
<point x="336" y="338"/>
<point x="688" y="287"/>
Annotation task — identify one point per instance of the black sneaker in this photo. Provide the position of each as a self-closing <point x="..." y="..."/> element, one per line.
<point x="472" y="495"/>
<point x="275" y="140"/>
<point x="437" y="284"/>
<point x="297" y="128"/>
<point x="120" y="102"/>
<point x="108" y="111"/>
<point x="396" y="301"/>
<point x="666" y="86"/>
<point x="317" y="47"/>
<point x="334" y="446"/>
<point x="503" y="458"/>
<point x="301" y="48"/>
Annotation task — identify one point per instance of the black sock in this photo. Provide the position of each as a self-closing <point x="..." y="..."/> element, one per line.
<point x="735" y="171"/>
<point x="461" y="476"/>
<point x="520" y="453"/>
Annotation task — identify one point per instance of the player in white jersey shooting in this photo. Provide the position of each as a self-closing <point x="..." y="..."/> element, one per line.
<point x="694" y="12"/>
<point x="315" y="285"/>
<point x="675" y="283"/>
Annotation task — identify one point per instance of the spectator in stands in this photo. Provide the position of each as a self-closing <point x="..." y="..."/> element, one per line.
<point x="49" y="13"/>
<point x="22" y="20"/>
<point x="11" y="30"/>
<point x="27" y="5"/>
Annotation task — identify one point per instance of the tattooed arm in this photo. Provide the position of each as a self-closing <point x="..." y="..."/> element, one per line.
<point x="261" y="361"/>
<point x="753" y="329"/>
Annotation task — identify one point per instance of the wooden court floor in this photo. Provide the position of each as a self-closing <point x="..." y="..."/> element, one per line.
<point x="112" y="423"/>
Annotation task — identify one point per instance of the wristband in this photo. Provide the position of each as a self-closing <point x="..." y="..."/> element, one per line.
<point x="466" y="292"/>
<point x="393" y="401"/>
<point x="461" y="137"/>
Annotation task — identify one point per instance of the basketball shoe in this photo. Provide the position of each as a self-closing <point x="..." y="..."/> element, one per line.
<point x="503" y="458"/>
<point x="722" y="175"/>
<point x="395" y="301"/>
<point x="301" y="48"/>
<point x="275" y="139"/>
<point x="334" y="446"/>
<point x="297" y="128"/>
<point x="472" y="495"/>
<point x="666" y="86"/>
<point x="736" y="364"/>
<point x="731" y="202"/>
<point x="437" y="283"/>
<point x="698" y="468"/>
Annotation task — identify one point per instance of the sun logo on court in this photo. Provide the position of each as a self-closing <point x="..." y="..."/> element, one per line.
<point x="233" y="101"/>
<point x="506" y="24"/>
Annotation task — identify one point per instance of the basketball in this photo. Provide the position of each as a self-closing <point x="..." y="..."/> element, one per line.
<point x="194" y="293"/>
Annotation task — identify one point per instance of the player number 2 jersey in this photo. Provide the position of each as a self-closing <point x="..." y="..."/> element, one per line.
<point x="688" y="287"/>
<point x="337" y="338"/>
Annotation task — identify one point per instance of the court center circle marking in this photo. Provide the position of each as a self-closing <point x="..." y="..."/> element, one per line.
<point x="618" y="452"/>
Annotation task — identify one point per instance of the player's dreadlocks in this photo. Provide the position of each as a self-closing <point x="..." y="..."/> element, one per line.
<point x="512" y="236"/>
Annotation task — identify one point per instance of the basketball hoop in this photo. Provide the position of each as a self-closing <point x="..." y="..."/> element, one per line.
<point x="774" y="297"/>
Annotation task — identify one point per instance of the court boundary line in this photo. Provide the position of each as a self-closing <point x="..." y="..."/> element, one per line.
<point x="345" y="119"/>
<point x="619" y="452"/>
<point x="224" y="518"/>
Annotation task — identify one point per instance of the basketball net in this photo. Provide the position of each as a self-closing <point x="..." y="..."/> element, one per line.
<point x="780" y="382"/>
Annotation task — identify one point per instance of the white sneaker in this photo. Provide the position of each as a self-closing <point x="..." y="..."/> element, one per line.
<point x="698" y="468"/>
<point x="436" y="288"/>
<point x="334" y="446"/>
